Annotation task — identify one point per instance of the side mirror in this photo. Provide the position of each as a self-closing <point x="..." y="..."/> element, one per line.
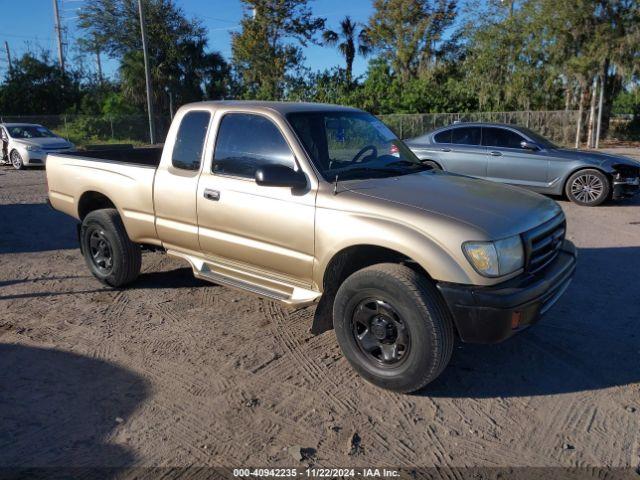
<point x="280" y="176"/>
<point x="529" y="145"/>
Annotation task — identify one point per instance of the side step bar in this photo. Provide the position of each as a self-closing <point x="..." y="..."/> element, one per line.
<point x="250" y="282"/>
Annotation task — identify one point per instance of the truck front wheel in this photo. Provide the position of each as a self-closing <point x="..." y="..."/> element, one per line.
<point x="110" y="255"/>
<point x="393" y="327"/>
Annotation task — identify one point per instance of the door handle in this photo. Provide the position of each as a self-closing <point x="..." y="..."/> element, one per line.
<point x="495" y="154"/>
<point x="445" y="149"/>
<point x="211" y="194"/>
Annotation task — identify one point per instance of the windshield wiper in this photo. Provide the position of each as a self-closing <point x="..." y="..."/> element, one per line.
<point x="413" y="165"/>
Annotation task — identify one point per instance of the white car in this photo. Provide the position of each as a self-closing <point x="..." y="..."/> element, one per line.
<point x="27" y="144"/>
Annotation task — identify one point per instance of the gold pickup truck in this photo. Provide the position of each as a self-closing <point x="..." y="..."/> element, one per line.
<point x="307" y="203"/>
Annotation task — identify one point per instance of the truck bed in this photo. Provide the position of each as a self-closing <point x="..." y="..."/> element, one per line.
<point x="122" y="178"/>
<point x="147" y="156"/>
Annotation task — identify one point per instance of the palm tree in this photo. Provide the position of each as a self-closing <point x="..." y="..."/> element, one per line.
<point x="347" y="47"/>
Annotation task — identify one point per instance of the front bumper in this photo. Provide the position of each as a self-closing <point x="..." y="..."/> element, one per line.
<point x="493" y="314"/>
<point x="625" y="187"/>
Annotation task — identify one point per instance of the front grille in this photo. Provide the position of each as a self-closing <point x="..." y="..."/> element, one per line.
<point x="542" y="244"/>
<point x="627" y="171"/>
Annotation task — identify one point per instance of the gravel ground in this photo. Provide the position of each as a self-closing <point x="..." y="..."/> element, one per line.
<point x="176" y="372"/>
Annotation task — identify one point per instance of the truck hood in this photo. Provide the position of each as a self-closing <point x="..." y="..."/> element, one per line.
<point x="597" y="158"/>
<point x="45" y="143"/>
<point x="497" y="210"/>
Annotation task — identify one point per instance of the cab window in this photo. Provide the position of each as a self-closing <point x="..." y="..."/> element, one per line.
<point x="247" y="142"/>
<point x="187" y="151"/>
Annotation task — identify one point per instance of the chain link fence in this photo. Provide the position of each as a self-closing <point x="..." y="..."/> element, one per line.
<point x="86" y="130"/>
<point x="558" y="126"/>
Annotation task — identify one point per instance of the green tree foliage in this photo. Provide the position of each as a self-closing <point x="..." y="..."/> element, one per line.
<point x="267" y="49"/>
<point x="408" y="32"/>
<point x="545" y="54"/>
<point x="349" y="42"/>
<point x="427" y="56"/>
<point x="36" y="86"/>
<point x="177" y="50"/>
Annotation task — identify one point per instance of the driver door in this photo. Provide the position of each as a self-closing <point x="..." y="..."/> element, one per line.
<point x="509" y="162"/>
<point x="265" y="230"/>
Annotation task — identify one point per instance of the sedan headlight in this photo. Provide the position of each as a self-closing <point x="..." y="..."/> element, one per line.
<point x="32" y="148"/>
<point x="495" y="259"/>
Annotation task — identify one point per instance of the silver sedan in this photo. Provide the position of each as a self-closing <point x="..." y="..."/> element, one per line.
<point x="519" y="156"/>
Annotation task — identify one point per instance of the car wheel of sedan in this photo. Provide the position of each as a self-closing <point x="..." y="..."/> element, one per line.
<point x="110" y="255"/>
<point x="16" y="160"/>
<point x="393" y="327"/>
<point x="432" y="164"/>
<point x="588" y="187"/>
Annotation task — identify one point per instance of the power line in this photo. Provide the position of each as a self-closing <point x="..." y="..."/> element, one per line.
<point x="28" y="37"/>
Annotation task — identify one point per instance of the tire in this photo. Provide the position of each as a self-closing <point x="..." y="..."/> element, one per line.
<point x="110" y="255"/>
<point x="384" y="299"/>
<point x="588" y="187"/>
<point x="16" y="160"/>
<point x="432" y="164"/>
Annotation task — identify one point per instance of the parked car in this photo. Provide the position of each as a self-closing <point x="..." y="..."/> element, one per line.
<point x="27" y="144"/>
<point x="519" y="156"/>
<point x="306" y="203"/>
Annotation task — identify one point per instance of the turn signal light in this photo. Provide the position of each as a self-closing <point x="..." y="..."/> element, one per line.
<point x="515" y="320"/>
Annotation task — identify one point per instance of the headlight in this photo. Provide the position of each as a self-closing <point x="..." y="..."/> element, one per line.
<point x="32" y="148"/>
<point x="495" y="259"/>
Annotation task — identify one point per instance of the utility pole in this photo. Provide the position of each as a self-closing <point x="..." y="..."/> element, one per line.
<point x="592" y="114"/>
<point x="603" y="85"/>
<point x="58" y="28"/>
<point x="99" y="65"/>
<point x="147" y="74"/>
<point x="6" y="47"/>
<point x="170" y="103"/>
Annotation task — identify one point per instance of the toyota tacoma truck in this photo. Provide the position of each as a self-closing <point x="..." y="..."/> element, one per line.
<point x="321" y="204"/>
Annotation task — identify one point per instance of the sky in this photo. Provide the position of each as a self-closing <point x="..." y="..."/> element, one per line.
<point x="28" y="24"/>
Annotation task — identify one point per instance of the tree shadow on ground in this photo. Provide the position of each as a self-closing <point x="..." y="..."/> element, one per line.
<point x="58" y="409"/>
<point x="35" y="227"/>
<point x="589" y="340"/>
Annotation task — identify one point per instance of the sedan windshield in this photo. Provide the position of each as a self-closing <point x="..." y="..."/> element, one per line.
<point x="30" y="131"/>
<point x="352" y="145"/>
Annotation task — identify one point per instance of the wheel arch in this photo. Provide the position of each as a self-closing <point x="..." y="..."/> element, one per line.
<point x="92" y="200"/>
<point x="439" y="164"/>
<point x="346" y="262"/>
<point x="565" y="181"/>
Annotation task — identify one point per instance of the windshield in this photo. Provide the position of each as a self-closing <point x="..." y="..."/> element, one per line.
<point x="352" y="145"/>
<point x="29" y="131"/>
<point x="539" y="139"/>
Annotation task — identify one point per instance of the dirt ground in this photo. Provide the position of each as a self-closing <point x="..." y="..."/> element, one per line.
<point x="177" y="372"/>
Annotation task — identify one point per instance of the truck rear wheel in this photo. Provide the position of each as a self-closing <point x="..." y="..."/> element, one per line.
<point x="110" y="255"/>
<point x="393" y="327"/>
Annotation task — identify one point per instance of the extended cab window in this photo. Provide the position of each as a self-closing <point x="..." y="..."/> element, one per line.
<point x="500" y="137"/>
<point x="187" y="152"/>
<point x="247" y="142"/>
<point x="466" y="136"/>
